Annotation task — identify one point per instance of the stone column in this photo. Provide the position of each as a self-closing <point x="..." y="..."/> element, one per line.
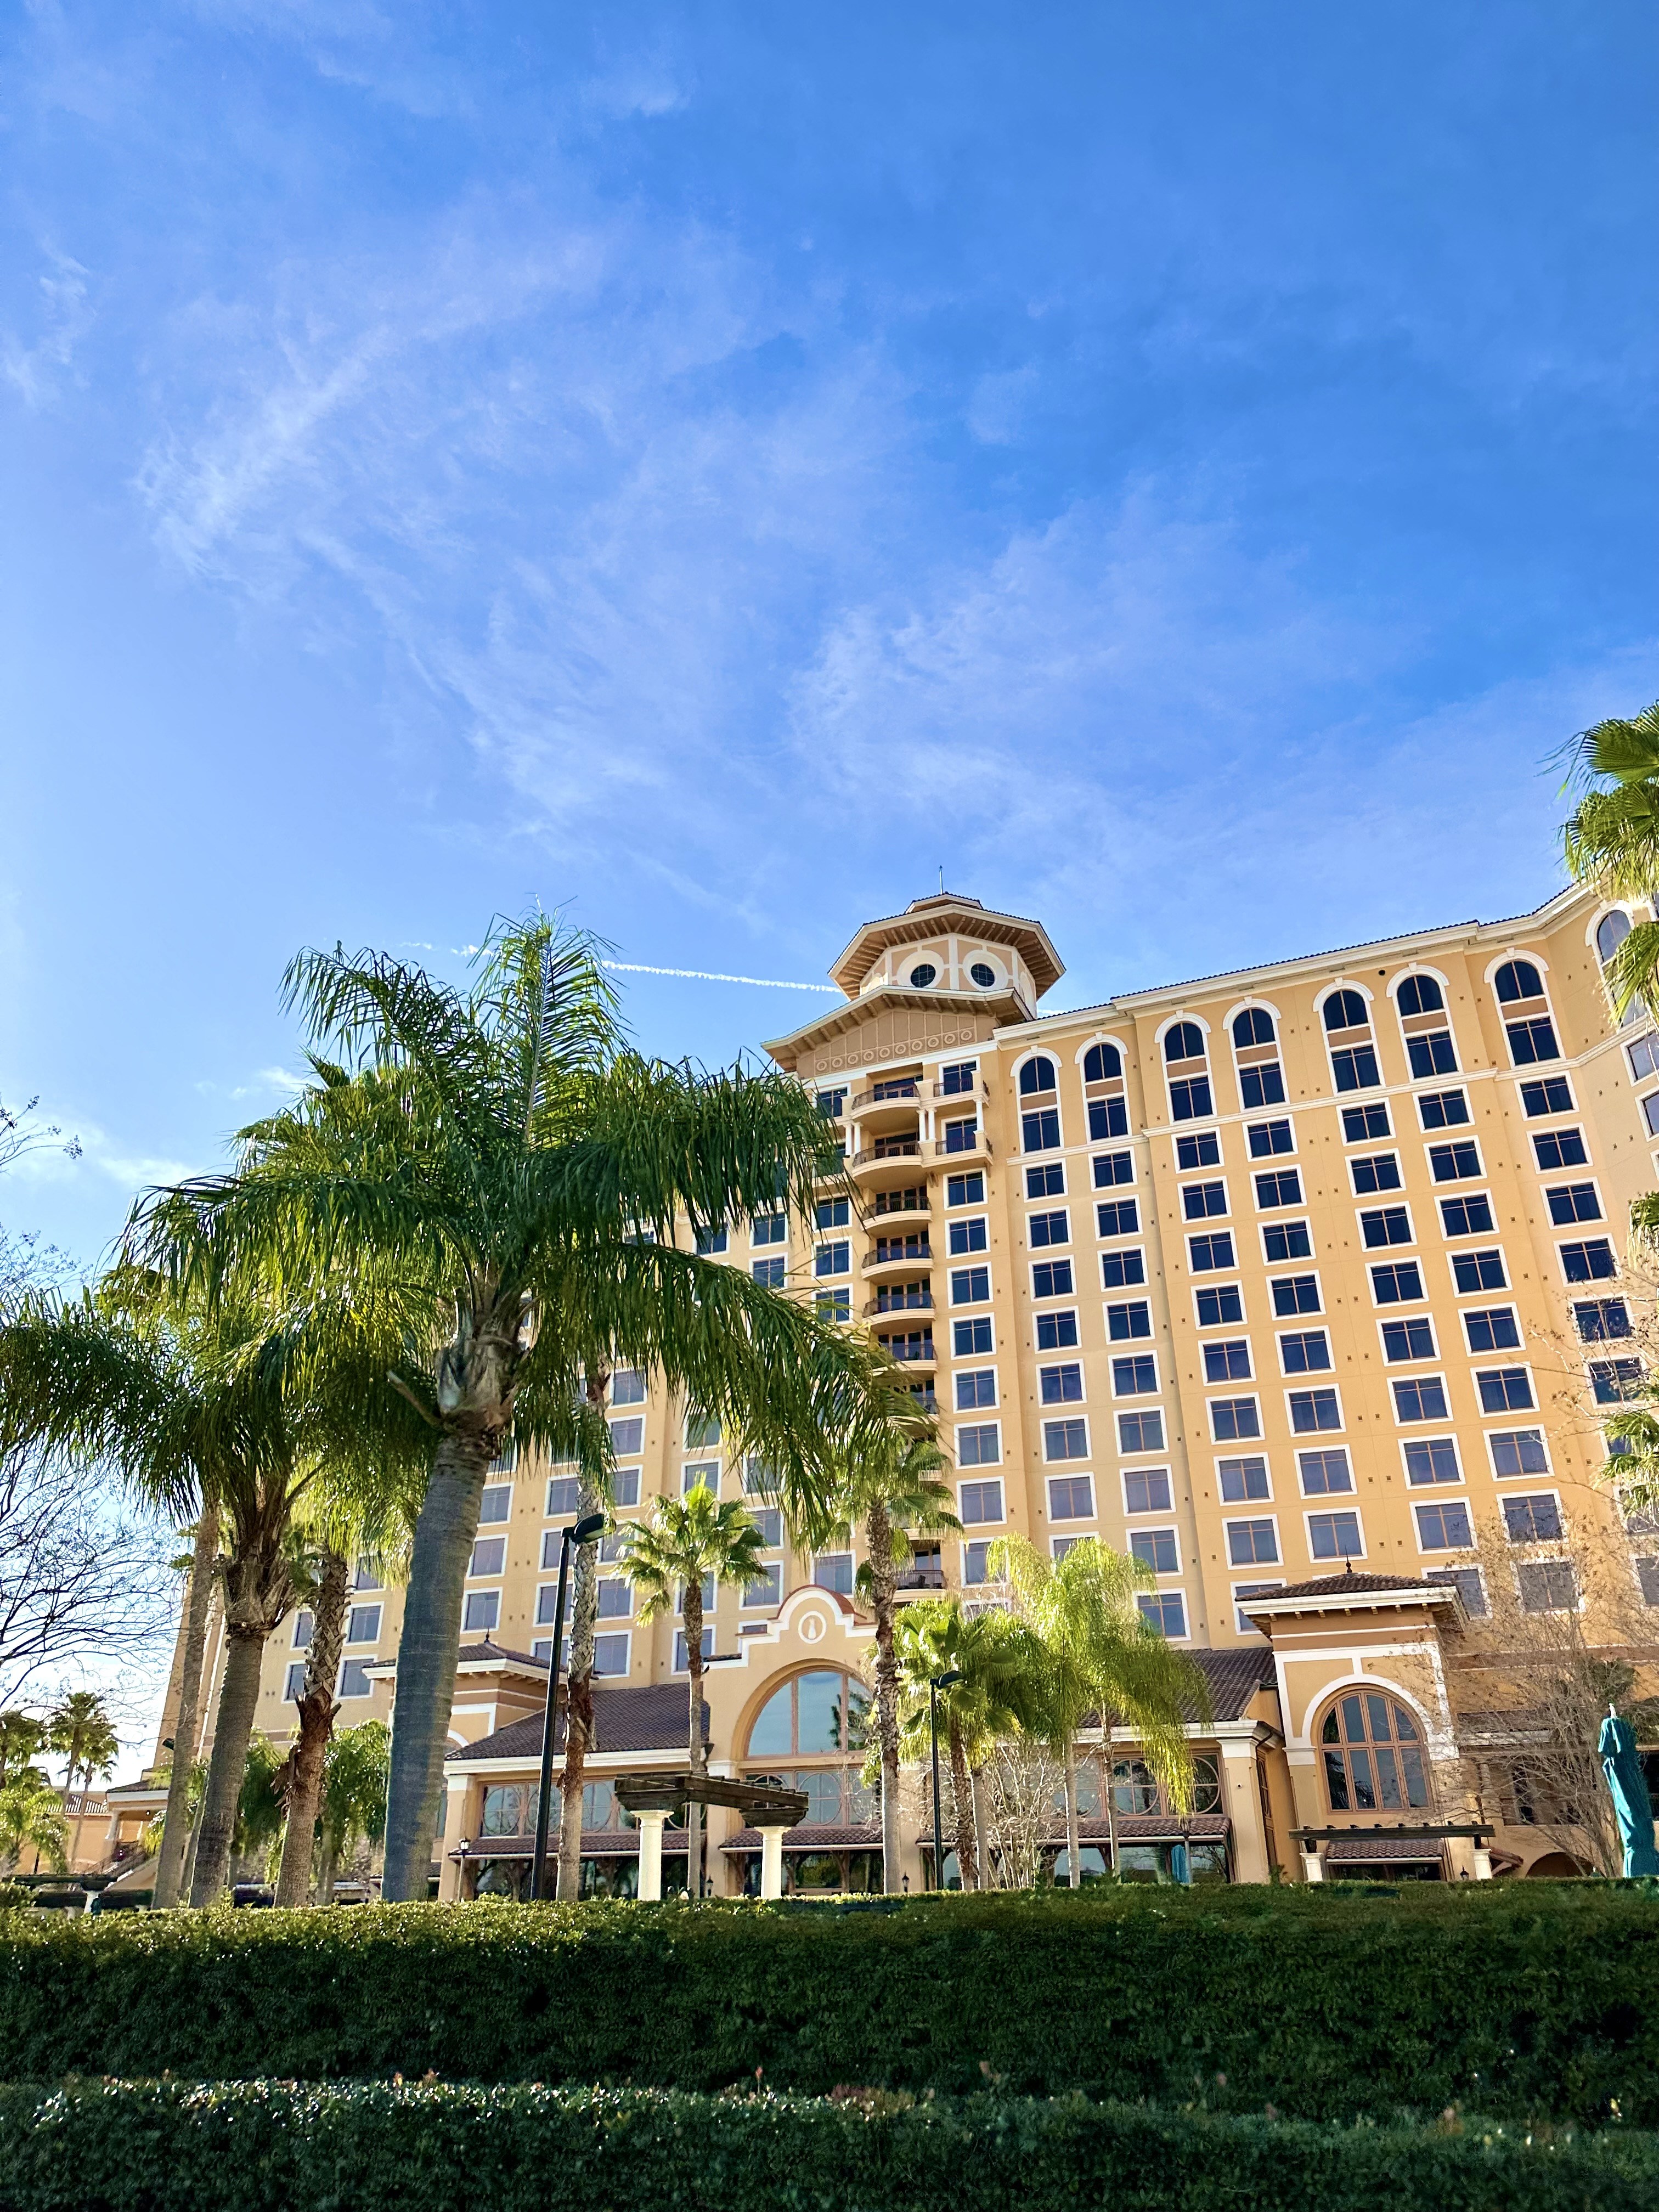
<point x="1313" y="1867"/>
<point x="651" y="1828"/>
<point x="772" y="1862"/>
<point x="1482" y="1862"/>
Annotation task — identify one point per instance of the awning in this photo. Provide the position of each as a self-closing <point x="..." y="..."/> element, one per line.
<point x="1387" y="1849"/>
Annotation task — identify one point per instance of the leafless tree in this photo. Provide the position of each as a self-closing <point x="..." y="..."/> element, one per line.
<point x="1021" y="1784"/>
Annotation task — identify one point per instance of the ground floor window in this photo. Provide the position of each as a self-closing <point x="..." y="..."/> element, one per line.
<point x="819" y="1874"/>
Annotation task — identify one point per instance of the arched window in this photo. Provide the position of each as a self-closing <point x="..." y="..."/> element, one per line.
<point x="1517" y="979"/>
<point x="1254" y="1026"/>
<point x="1101" y="1062"/>
<point x="1420" y="994"/>
<point x="1610" y="934"/>
<point x="1345" y="1010"/>
<point x="1373" y="1753"/>
<point x="1037" y="1074"/>
<point x="816" y="1716"/>
<point x="1184" y="1041"/>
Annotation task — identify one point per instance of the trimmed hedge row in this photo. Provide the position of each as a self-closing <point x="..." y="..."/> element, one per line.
<point x="1524" y="2001"/>
<point x="266" y="2146"/>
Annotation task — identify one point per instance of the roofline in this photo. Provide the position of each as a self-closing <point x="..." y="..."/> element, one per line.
<point x="916" y="922"/>
<point x="1337" y="1600"/>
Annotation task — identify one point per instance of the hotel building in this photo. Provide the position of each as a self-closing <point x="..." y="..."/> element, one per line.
<point x="1300" y="1283"/>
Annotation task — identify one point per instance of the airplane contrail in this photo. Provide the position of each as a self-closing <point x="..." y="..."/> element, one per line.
<point x="704" y="975"/>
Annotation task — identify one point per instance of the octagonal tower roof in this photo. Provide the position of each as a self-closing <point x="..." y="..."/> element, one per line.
<point x="948" y="913"/>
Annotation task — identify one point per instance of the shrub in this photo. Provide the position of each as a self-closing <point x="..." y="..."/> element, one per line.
<point x="265" y="2146"/>
<point x="1525" y="2002"/>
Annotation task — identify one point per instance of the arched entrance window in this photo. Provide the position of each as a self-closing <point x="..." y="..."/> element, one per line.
<point x="819" y="1717"/>
<point x="1373" y="1754"/>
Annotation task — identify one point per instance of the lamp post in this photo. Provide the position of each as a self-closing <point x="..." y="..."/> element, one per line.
<point x="935" y="1683"/>
<point x="583" y="1532"/>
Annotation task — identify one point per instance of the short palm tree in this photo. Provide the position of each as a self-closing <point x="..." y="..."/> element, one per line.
<point x="995" y="1661"/>
<point x="21" y="1736"/>
<point x="32" y="1820"/>
<point x="527" y="1180"/>
<point x="80" y="1728"/>
<point x="352" y="1807"/>
<point x="691" y="1542"/>
<point x="886" y="1487"/>
<point x="327" y="1574"/>
<point x="1101" y="1660"/>
<point x="1612" y="838"/>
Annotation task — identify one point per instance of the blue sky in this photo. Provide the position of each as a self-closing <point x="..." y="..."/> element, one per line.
<point x="1180" y="470"/>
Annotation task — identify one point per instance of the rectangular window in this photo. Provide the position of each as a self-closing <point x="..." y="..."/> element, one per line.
<point x="1286" y="1240"/>
<point x="1361" y="1124"/>
<point x="1394" y="1285"/>
<point x="1155" y="1549"/>
<point x="1312" y="1410"/>
<point x="1232" y="1419"/>
<point x="770" y="1275"/>
<point x="1119" y="1270"/>
<point x="1335" y="1536"/>
<point x="1408" y="1340"/>
<point x="1227" y="1361"/>
<point x="615" y="1598"/>
<point x="1547" y="1586"/>
<point x="1518" y="1451"/>
<point x="488" y="1556"/>
<point x="1189" y="1101"/>
<point x="354" y="1677"/>
<point x="1219" y="1306"/>
<point x="971" y="1337"/>
<point x="1051" y="1278"/>
<point x="1295" y="1294"/>
<point x="563" y="1493"/>
<point x="701" y="1475"/>
<point x="833" y="1570"/>
<point x="1040" y="1132"/>
<point x="1492" y="1328"/>
<point x="1615" y="1380"/>
<point x="969" y="1286"/>
<point x="1591" y="1261"/>
<point x="1478" y="1271"/>
<point x="768" y="1229"/>
<point x="1442" y="1109"/>
<point x="830" y="1102"/>
<point x="1252" y="1543"/>
<point x="1056" y="1331"/>
<point x="957" y="1078"/>
<point x="1503" y="1389"/>
<point x="304" y="1626"/>
<point x="1535" y="1520"/>
<point x="1131" y="1320"/>
<point x="1061" y="1386"/>
<point x="496" y="1505"/>
<point x="1064" y="1440"/>
<point x="1071" y="1498"/>
<point x="833" y="1305"/>
<point x="963" y="1236"/>
<point x="833" y="1214"/>
<point x="293" y="1688"/>
<point x="1112" y="1168"/>
<point x="1118" y="1217"/>
<point x="628" y="1435"/>
<point x="1643" y="1056"/>
<point x="1108" y="1117"/>
<point x="975" y="1567"/>
<point x="1375" y="1171"/>
<point x="1432" y="1055"/>
<point x="1600" y="1320"/>
<point x="364" y="1624"/>
<point x="980" y="1502"/>
<point x="1552" y="1095"/>
<point x="976" y="1389"/>
<point x="1045" y="1181"/>
<point x="1386" y="1225"/>
<point x="766" y="1590"/>
<point x="1355" y="1068"/>
<point x="1532" y="1040"/>
<point x="709" y="1240"/>
<point x="1135" y="1377"/>
<point x="1261" y="1085"/>
<point x="628" y="1384"/>
<point x="965" y="1189"/>
<point x="1325" y="1474"/>
<point x="1423" y="1398"/>
<point x="1573" y="1201"/>
<point x="1444" y="1528"/>
<point x="1283" y="1186"/>
<point x="482" y="1611"/>
<point x="1559" y="1148"/>
<point x="1305" y="1353"/>
<point x="1201" y="1200"/>
<point x="1139" y="1432"/>
<point x="833" y="1259"/>
<point x="682" y="1663"/>
<point x="1269" y="1137"/>
<point x="1165" y="1609"/>
<point x="1207" y="1253"/>
<point x="1146" y="1491"/>
<point x="1242" y="1593"/>
<point x="1244" y="1480"/>
<point x="1202" y="1149"/>
<point x="1466" y="1217"/>
<point x="980" y="1446"/>
<point x="1431" y="1460"/>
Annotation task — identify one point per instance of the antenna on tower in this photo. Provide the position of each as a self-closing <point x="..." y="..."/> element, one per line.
<point x="941" y="875"/>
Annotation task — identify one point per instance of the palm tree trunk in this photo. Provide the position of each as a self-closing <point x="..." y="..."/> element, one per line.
<point x="987" y="1880"/>
<point x="170" y="1860"/>
<point x="578" y="1702"/>
<point x="328" y="1857"/>
<point x="879" y="1537"/>
<point x="691" y="1609"/>
<point x="427" y="1654"/>
<point x="1107" y="1793"/>
<point x="967" y="1856"/>
<point x="1073" y="1840"/>
<point x="239" y="1696"/>
<point x="316" y="1711"/>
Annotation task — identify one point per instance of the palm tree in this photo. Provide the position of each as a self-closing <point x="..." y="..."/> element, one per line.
<point x="691" y="1542"/>
<point x="1612" y="838"/>
<point x="20" y="1736"/>
<point x="525" y="1179"/>
<point x="31" y="1818"/>
<point x="199" y="1590"/>
<point x="301" y="1782"/>
<point x="886" y="1487"/>
<point x="352" y="1807"/>
<point x="242" y="1410"/>
<point x="1101" y="1659"/>
<point x="994" y="1661"/>
<point x="80" y="1727"/>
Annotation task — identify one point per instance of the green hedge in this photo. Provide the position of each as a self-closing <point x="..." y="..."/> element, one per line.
<point x="1524" y="2000"/>
<point x="270" y="2146"/>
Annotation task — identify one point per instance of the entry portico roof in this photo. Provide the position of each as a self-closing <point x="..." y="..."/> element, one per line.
<point x="1354" y="1593"/>
<point x="652" y="1718"/>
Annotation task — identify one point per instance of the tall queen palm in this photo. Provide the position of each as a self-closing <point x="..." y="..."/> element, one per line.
<point x="528" y="1179"/>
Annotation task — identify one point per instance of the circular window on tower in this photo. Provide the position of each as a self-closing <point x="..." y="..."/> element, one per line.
<point x="983" y="975"/>
<point x="922" y="976"/>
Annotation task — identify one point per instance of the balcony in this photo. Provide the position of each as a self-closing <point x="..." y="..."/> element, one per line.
<point x="914" y="1349"/>
<point x="912" y="1198"/>
<point x="888" y="1162"/>
<point x="954" y="1149"/>
<point x="917" y="1579"/>
<point x="902" y="1297"/>
<point x="887" y="1105"/>
<point x="967" y="1093"/>
<point x="913" y="1252"/>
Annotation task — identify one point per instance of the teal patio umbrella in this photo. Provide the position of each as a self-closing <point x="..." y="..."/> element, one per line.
<point x="1616" y="1747"/>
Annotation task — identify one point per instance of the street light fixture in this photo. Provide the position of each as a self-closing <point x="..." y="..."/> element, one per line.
<point x="935" y="1683"/>
<point x="583" y="1532"/>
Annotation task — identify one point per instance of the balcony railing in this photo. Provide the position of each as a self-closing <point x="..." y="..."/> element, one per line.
<point x="910" y="1349"/>
<point x="887" y="1094"/>
<point x="957" y="1148"/>
<point x="888" y="1148"/>
<point x="977" y="1089"/>
<point x="912" y="1298"/>
<point x="920" y="1578"/>
<point x="919" y="1253"/>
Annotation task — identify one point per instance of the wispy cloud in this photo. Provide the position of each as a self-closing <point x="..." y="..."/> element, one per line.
<point x="37" y="370"/>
